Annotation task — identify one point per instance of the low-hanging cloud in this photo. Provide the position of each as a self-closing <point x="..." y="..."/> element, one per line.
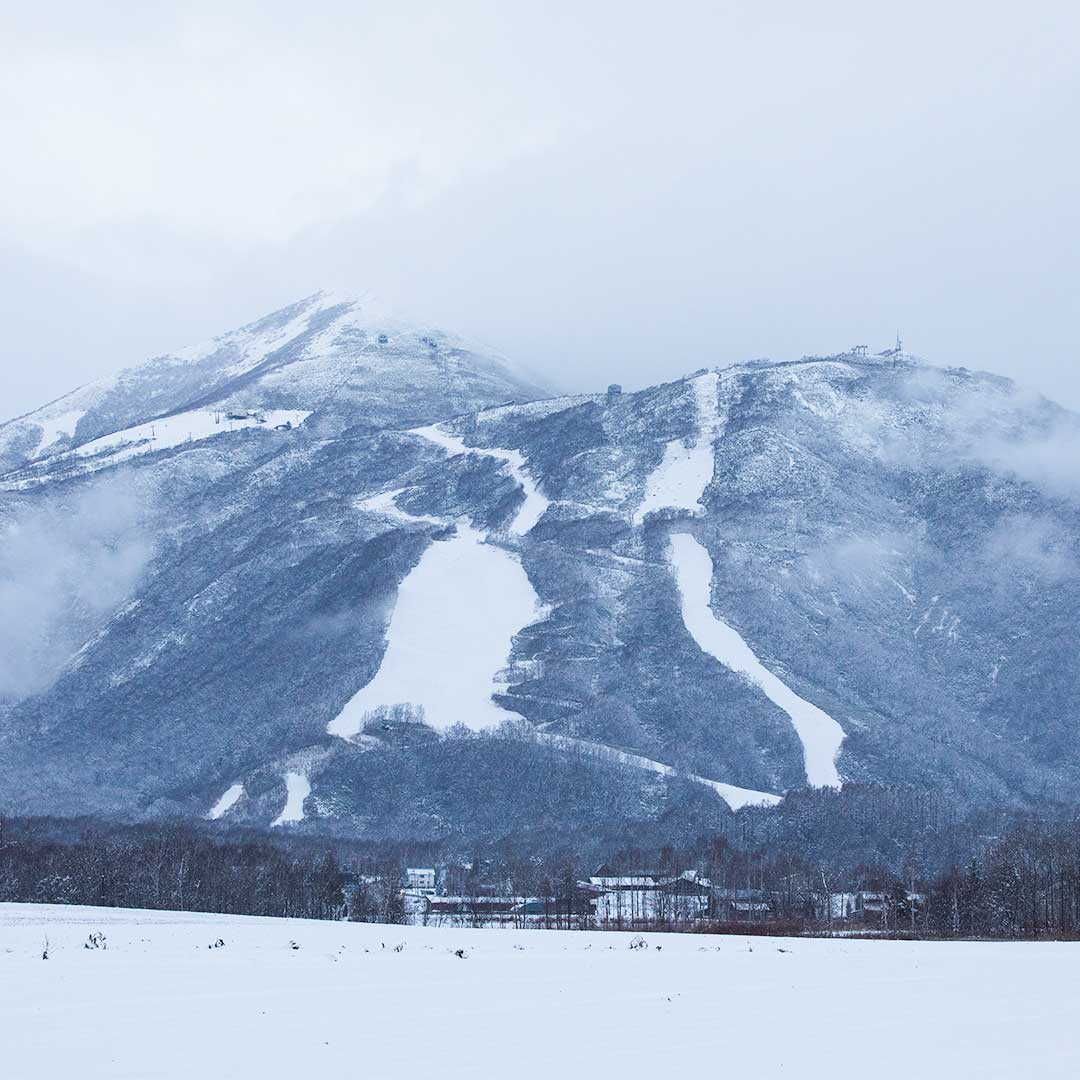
<point x="641" y="196"/>
<point x="1046" y="458"/>
<point x="1036" y="546"/>
<point x="64" y="569"/>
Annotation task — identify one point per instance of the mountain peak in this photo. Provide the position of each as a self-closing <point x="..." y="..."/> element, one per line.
<point x="344" y="359"/>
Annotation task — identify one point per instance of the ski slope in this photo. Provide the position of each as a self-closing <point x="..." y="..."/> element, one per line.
<point x="226" y="802"/>
<point x="535" y="504"/>
<point x="735" y="797"/>
<point x="159" y="1004"/>
<point x="297" y="789"/>
<point x="818" y="732"/>
<point x="450" y="634"/>
<point x="686" y="468"/>
<point x="171" y="431"/>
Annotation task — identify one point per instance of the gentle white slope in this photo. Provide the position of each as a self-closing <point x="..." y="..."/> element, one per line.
<point x="170" y="431"/>
<point x="164" y="433"/>
<point x="159" y="1004"/>
<point x="450" y="632"/>
<point x="819" y="733"/>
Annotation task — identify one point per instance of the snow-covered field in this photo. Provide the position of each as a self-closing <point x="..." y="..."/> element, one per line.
<point x="160" y="1002"/>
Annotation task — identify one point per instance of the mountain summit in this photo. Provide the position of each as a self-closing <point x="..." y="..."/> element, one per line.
<point x="343" y="361"/>
<point x="342" y="582"/>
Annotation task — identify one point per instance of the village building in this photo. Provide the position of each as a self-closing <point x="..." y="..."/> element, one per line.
<point x="647" y="897"/>
<point x="421" y="880"/>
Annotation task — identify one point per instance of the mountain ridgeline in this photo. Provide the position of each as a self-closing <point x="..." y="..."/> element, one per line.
<point x="339" y="574"/>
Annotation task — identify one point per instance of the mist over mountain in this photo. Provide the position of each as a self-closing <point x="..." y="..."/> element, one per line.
<point x="334" y="572"/>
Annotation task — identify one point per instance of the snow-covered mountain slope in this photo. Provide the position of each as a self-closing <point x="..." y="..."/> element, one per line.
<point x="681" y="600"/>
<point x="345" y="360"/>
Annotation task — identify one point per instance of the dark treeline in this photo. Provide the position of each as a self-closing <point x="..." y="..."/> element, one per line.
<point x="167" y="866"/>
<point x="937" y="870"/>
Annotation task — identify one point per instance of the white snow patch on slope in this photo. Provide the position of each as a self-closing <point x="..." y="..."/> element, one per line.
<point x="170" y="431"/>
<point x="735" y="797"/>
<point x="164" y="433"/>
<point x="297" y="788"/>
<point x="819" y="733"/>
<point x="54" y="427"/>
<point x="532" y="509"/>
<point x="679" y="481"/>
<point x="451" y="630"/>
<point x="226" y="802"/>
<point x="385" y="503"/>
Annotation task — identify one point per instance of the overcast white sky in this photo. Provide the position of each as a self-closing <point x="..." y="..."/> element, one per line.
<point x="607" y="192"/>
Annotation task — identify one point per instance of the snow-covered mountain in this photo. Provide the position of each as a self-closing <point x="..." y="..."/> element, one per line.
<point x="340" y="581"/>
<point x="345" y="362"/>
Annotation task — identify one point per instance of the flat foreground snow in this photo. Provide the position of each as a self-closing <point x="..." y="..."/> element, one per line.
<point x="159" y="1004"/>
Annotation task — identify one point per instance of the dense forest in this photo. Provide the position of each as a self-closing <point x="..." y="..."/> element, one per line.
<point x="940" y="872"/>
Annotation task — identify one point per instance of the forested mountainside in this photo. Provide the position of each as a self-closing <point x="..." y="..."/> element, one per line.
<point x="333" y="573"/>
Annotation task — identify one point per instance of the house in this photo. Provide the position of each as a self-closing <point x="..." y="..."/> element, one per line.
<point x="869" y="903"/>
<point x="420" y="880"/>
<point x="740" y="905"/>
<point x="841" y="905"/>
<point x="647" y="897"/>
<point x="869" y="906"/>
<point x="683" y="899"/>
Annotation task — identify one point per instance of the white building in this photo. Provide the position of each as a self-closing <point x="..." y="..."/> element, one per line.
<point x="630" y="899"/>
<point x="420" y="880"/>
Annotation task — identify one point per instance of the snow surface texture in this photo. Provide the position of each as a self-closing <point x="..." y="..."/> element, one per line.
<point x="297" y="788"/>
<point x="226" y="802"/>
<point x="158" y="1004"/>
<point x="450" y="632"/>
<point x="680" y="479"/>
<point x="819" y="733"/>
<point x="532" y="509"/>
